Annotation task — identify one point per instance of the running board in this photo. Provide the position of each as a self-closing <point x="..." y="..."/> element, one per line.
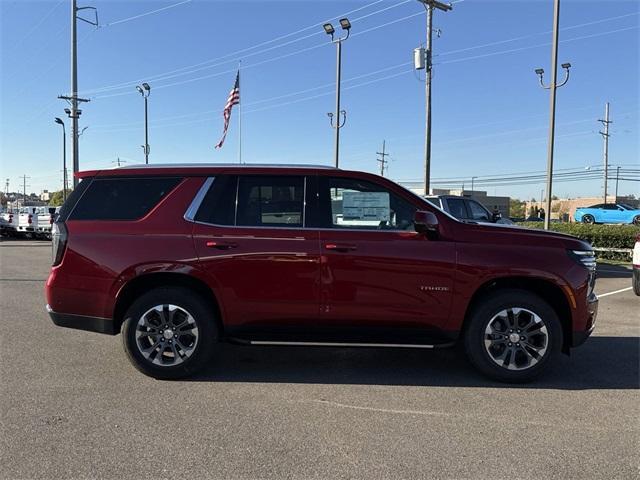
<point x="344" y="344"/>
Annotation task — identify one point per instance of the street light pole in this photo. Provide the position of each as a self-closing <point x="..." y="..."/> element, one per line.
<point x="145" y="90"/>
<point x="329" y="30"/>
<point x="64" y="159"/>
<point x="552" y="105"/>
<point x="472" y="179"/>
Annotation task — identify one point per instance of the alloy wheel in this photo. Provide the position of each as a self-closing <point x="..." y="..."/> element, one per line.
<point x="166" y="335"/>
<point x="516" y="339"/>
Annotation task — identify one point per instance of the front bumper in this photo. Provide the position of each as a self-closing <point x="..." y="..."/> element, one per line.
<point x="579" y="337"/>
<point x="83" y="322"/>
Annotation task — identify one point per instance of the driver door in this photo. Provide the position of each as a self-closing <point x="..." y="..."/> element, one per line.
<point x="378" y="274"/>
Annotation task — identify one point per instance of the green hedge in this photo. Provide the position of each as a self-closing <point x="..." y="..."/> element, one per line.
<point x="603" y="236"/>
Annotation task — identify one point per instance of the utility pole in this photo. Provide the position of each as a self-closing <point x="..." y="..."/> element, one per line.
<point x="472" y="181"/>
<point x="383" y="161"/>
<point x="73" y="99"/>
<point x="6" y="191"/>
<point x="617" y="178"/>
<point x="553" y="86"/>
<point x="329" y="30"/>
<point x="605" y="137"/>
<point x="24" y="189"/>
<point x="429" y="5"/>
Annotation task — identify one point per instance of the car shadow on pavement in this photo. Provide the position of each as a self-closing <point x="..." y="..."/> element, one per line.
<point x="614" y="271"/>
<point x="601" y="363"/>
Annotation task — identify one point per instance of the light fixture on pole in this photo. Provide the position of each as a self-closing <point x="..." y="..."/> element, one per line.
<point x="145" y="90"/>
<point x="329" y="30"/>
<point x="552" y="104"/>
<point x="64" y="159"/>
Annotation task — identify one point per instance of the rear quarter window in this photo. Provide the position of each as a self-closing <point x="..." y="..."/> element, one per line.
<point x="122" y="198"/>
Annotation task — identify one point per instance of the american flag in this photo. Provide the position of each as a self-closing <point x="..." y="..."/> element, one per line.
<point x="234" y="99"/>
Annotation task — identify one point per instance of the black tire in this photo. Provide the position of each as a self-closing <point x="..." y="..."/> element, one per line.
<point x="199" y="346"/>
<point x="484" y="357"/>
<point x="636" y="220"/>
<point x="588" y="219"/>
<point x="636" y="281"/>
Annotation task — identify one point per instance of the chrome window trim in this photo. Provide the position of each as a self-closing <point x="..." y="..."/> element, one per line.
<point x="190" y="214"/>
<point x="198" y="199"/>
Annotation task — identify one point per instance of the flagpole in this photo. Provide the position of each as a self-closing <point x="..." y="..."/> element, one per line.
<point x="239" y="117"/>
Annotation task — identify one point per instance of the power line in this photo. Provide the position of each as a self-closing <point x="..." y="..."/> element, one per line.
<point x="186" y="71"/>
<point x="37" y="25"/>
<point x="212" y="62"/>
<point x="128" y="19"/>
<point x="531" y="35"/>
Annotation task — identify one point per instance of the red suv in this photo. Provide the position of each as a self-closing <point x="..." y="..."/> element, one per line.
<point x="180" y="257"/>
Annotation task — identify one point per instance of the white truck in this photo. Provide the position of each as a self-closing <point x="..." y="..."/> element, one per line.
<point x="35" y="221"/>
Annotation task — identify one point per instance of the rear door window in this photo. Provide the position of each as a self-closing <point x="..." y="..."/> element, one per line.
<point x="267" y="201"/>
<point x="219" y="204"/>
<point x="115" y="198"/>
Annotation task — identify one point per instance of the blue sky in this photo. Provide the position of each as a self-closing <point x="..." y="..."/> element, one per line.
<point x="490" y="116"/>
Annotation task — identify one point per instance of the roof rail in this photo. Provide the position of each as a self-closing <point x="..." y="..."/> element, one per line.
<point x="228" y="165"/>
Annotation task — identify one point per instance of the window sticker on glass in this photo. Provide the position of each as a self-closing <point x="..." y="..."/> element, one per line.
<point x="365" y="208"/>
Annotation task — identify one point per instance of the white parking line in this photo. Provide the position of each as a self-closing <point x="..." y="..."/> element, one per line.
<point x="614" y="292"/>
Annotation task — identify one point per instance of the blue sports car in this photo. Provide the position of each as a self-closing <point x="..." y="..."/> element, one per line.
<point x="608" y="213"/>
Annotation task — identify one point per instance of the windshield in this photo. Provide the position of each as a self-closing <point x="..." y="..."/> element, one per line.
<point x="625" y="206"/>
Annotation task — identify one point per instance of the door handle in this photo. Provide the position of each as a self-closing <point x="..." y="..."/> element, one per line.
<point x="221" y="245"/>
<point x="340" y="247"/>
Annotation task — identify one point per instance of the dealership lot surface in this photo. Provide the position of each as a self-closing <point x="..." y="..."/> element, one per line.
<point x="73" y="407"/>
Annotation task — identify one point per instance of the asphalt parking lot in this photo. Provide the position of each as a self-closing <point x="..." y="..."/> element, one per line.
<point x="73" y="407"/>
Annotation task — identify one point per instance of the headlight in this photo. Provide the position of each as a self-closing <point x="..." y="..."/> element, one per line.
<point x="584" y="257"/>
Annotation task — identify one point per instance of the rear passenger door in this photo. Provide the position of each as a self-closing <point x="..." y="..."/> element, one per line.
<point x="250" y="238"/>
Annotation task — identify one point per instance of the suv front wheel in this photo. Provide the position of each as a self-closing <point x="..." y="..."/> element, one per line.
<point x="169" y="333"/>
<point x="512" y="335"/>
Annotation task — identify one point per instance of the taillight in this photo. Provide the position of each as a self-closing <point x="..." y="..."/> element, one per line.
<point x="59" y="236"/>
<point x="30" y="220"/>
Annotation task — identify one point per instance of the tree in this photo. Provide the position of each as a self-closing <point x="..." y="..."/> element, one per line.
<point x="3" y="199"/>
<point x="517" y="208"/>
<point x="56" y="198"/>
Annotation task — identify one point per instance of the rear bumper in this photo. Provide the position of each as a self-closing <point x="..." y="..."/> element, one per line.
<point x="83" y="322"/>
<point x="579" y="337"/>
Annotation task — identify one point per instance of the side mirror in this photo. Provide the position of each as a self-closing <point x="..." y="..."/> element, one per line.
<point x="426" y="222"/>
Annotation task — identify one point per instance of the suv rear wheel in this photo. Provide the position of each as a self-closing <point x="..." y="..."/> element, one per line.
<point x="169" y="333"/>
<point x="512" y="335"/>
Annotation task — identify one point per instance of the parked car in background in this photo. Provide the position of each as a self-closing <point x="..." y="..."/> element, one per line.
<point x="8" y="224"/>
<point x="44" y="220"/>
<point x="26" y="218"/>
<point x="466" y="209"/>
<point x="179" y="257"/>
<point x="608" y="213"/>
<point x="636" y="266"/>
